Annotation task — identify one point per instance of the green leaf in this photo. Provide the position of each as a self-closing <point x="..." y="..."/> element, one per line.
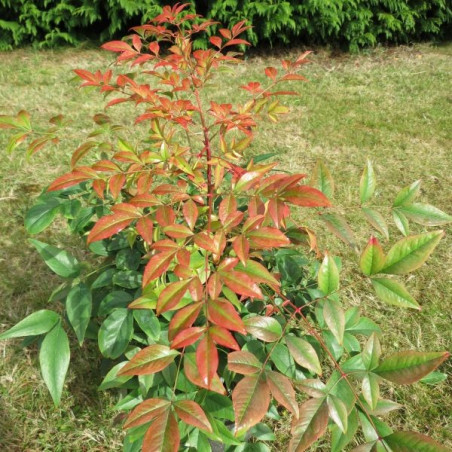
<point x="41" y="215"/>
<point x="338" y="412"/>
<point x="409" y="366"/>
<point x="339" y="440"/>
<point x="371" y="389"/>
<point x="410" y="253"/>
<point x="335" y="319"/>
<point x="393" y="292"/>
<point x="407" y="194"/>
<point x="376" y="219"/>
<point x="310" y="426"/>
<point x="434" y="378"/>
<point x="322" y="180"/>
<point x="372" y="258"/>
<point x="115" y="333"/>
<point x="54" y="357"/>
<point x="39" y="322"/>
<point x="401" y="222"/>
<point x="79" y="305"/>
<point x="148" y="322"/>
<point x="411" y="441"/>
<point x="338" y="226"/>
<point x="267" y="329"/>
<point x="303" y="353"/>
<point x="114" y="300"/>
<point x="367" y="183"/>
<point x="59" y="261"/>
<point x="328" y="276"/>
<point x="371" y="352"/>
<point x="425" y="214"/>
<point x="112" y="380"/>
<point x="282" y="359"/>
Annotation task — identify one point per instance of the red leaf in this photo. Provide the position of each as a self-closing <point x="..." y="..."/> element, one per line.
<point x="204" y="241"/>
<point x="294" y="77"/>
<point x="70" y="179"/>
<point x="244" y="363"/>
<point x="183" y="319"/>
<point x="171" y="295"/>
<point x="157" y="266"/>
<point x="150" y="360"/>
<point x="116" y="183"/>
<point x="145" y="227"/>
<point x="222" y="313"/>
<point x="177" y="231"/>
<point x="99" y="186"/>
<point x="190" y="211"/>
<point x="117" y="46"/>
<point x="227" y="206"/>
<point x="192" y="373"/>
<point x="109" y="225"/>
<point x="258" y="273"/>
<point x="310" y="426"/>
<point x="81" y="151"/>
<point x="207" y="359"/>
<point x="264" y="238"/>
<point x="214" y="286"/>
<point x="216" y="41"/>
<point x="282" y="390"/>
<point x="146" y="412"/>
<point x="162" y="435"/>
<point x="188" y="336"/>
<point x="250" y="400"/>
<point x="241" y="284"/>
<point x="222" y="336"/>
<point x="271" y="72"/>
<point x="191" y="413"/>
<point x="305" y="196"/>
<point x="234" y="42"/>
<point x="136" y="41"/>
<point x="165" y="216"/>
<point x="241" y="247"/>
<point x="154" y="47"/>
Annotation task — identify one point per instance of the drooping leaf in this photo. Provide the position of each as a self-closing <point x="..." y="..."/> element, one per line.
<point x="115" y="333"/>
<point x="371" y="389"/>
<point x="266" y="329"/>
<point x="250" y="399"/>
<point x="146" y="411"/>
<point x="338" y="226"/>
<point x="372" y="258"/>
<point x="328" y="276"/>
<point x="282" y="390"/>
<point x="322" y="180"/>
<point x="303" y="353"/>
<point x="54" y="357"/>
<point x="150" y="360"/>
<point x="401" y="221"/>
<point x="411" y="441"/>
<point x="243" y="362"/>
<point x="192" y="373"/>
<point x="409" y="366"/>
<point x="393" y="292"/>
<point x="338" y="412"/>
<point x="376" y="219"/>
<point x="310" y="426"/>
<point x="59" y="261"/>
<point x="163" y="434"/>
<point x="335" y="319"/>
<point x="425" y="214"/>
<point x="207" y="360"/>
<point x="367" y="183"/>
<point x="410" y="253"/>
<point x="39" y="322"/>
<point x="191" y="413"/>
<point x="78" y="308"/>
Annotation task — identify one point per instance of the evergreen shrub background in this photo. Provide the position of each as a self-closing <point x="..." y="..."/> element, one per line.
<point x="348" y="23"/>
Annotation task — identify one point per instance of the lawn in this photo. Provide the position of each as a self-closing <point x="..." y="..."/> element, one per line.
<point x="393" y="106"/>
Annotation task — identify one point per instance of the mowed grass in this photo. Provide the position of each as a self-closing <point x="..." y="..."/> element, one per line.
<point x="393" y="106"/>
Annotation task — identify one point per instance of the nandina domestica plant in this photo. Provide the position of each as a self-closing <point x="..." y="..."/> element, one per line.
<point x="207" y="300"/>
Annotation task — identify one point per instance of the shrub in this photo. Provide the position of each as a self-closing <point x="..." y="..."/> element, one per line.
<point x="202" y="290"/>
<point x="349" y="23"/>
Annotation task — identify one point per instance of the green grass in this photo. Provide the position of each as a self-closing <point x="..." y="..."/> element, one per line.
<point x="393" y="106"/>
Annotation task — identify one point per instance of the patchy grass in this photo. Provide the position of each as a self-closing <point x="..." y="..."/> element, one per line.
<point x="392" y="106"/>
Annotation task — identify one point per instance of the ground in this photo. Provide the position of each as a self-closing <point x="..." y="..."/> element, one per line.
<point x="392" y="106"/>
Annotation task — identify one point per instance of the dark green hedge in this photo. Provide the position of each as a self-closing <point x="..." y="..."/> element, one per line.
<point x="352" y="23"/>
